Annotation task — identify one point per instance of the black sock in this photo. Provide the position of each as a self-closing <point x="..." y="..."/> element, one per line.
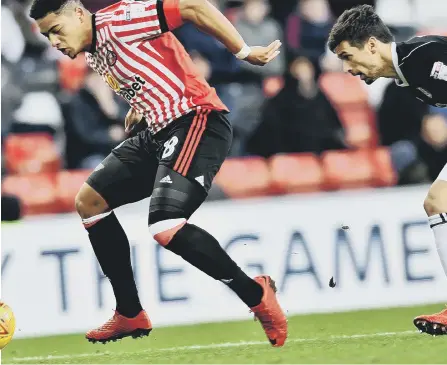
<point x="202" y="250"/>
<point x="112" y="249"/>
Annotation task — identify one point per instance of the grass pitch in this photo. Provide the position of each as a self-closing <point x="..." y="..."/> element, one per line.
<point x="374" y="336"/>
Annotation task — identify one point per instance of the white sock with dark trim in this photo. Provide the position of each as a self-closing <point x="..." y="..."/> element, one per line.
<point x="438" y="223"/>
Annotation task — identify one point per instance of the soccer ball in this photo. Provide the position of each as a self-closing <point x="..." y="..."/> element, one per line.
<point x="7" y="325"/>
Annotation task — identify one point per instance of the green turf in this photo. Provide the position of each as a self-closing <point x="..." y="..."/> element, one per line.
<point x="353" y="337"/>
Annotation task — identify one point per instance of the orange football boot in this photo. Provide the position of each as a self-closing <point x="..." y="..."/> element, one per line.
<point x="270" y="314"/>
<point x="434" y="324"/>
<point x="119" y="327"/>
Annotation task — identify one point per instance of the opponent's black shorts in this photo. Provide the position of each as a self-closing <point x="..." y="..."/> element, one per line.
<point x="194" y="146"/>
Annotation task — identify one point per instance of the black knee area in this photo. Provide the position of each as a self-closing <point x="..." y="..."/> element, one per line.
<point x="174" y="196"/>
<point x="188" y="233"/>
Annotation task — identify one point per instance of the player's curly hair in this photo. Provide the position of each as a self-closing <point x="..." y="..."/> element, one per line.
<point x="41" y="8"/>
<point x="356" y="26"/>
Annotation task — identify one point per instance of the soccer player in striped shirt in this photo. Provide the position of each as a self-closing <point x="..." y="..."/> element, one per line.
<point x="419" y="66"/>
<point x="173" y="160"/>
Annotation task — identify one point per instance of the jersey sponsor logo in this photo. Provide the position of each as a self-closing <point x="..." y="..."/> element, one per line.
<point x="112" y="82"/>
<point x="439" y="71"/>
<point x="111" y="58"/>
<point x="425" y="92"/>
<point x="131" y="92"/>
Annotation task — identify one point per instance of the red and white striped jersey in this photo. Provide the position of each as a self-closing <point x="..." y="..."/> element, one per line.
<point x="135" y="53"/>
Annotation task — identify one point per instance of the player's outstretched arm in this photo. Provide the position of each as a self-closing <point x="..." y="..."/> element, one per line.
<point x="210" y="20"/>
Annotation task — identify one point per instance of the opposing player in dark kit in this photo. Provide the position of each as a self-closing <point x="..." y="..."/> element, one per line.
<point x="419" y="66"/>
<point x="174" y="159"/>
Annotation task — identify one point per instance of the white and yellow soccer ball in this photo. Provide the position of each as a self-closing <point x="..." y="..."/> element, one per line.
<point x="7" y="325"/>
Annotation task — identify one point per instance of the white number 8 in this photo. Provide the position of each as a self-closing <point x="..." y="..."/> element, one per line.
<point x="169" y="147"/>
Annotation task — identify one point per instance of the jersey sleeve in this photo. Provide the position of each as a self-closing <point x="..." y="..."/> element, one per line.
<point x="438" y="61"/>
<point x="146" y="19"/>
<point x="426" y="56"/>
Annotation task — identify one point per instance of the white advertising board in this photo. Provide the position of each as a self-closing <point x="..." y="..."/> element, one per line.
<point x="387" y="257"/>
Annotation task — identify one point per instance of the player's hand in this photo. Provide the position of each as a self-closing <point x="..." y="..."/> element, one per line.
<point x="260" y="56"/>
<point x="132" y="119"/>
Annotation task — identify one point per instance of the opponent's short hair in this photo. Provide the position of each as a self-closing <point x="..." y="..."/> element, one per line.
<point x="41" y="8"/>
<point x="357" y="25"/>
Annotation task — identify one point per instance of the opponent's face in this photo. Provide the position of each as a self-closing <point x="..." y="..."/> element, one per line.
<point x="364" y="62"/>
<point x="66" y="31"/>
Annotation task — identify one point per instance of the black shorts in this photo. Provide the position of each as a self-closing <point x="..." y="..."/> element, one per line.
<point x="194" y="146"/>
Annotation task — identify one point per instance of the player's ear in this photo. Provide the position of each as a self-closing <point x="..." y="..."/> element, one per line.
<point x="372" y="45"/>
<point x="80" y="13"/>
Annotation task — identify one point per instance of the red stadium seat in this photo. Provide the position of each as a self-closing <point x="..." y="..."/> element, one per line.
<point x="360" y="126"/>
<point x="72" y="73"/>
<point x="385" y="175"/>
<point x="36" y="191"/>
<point x="360" y="168"/>
<point x="295" y="173"/>
<point x="348" y="169"/>
<point x="67" y="186"/>
<point x="432" y="31"/>
<point x="31" y="153"/>
<point x="350" y="99"/>
<point x="342" y="88"/>
<point x="272" y="86"/>
<point x="244" y="177"/>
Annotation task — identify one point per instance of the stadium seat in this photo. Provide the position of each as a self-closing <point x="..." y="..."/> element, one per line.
<point x="295" y="173"/>
<point x="31" y="153"/>
<point x="385" y="175"/>
<point x="244" y="177"/>
<point x="72" y="73"/>
<point x="342" y="88"/>
<point x="360" y="126"/>
<point x="350" y="100"/>
<point x="272" y="86"/>
<point x="348" y="169"/>
<point x="68" y="184"/>
<point x="37" y="192"/>
<point x="361" y="168"/>
<point x="432" y="31"/>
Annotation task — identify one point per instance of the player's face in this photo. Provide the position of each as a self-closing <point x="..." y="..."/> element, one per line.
<point x="364" y="62"/>
<point x="66" y="31"/>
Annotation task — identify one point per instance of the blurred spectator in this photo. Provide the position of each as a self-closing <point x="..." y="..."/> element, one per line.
<point x="300" y="118"/>
<point x="24" y="32"/>
<point x="12" y="94"/>
<point x="31" y="81"/>
<point x="433" y="150"/>
<point x="95" y="5"/>
<point x="257" y="28"/>
<point x="339" y="6"/>
<point x="416" y="134"/>
<point x="94" y="123"/>
<point x="11" y="208"/>
<point x="216" y="63"/>
<point x="413" y="13"/>
<point x="308" y="28"/>
<point x="13" y="41"/>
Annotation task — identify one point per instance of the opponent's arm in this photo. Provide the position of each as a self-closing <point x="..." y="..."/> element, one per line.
<point x="210" y="20"/>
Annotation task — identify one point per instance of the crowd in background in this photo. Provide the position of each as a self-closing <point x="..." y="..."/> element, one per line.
<point x="276" y="108"/>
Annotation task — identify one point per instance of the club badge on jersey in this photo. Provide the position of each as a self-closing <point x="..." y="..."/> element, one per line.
<point x="111" y="58"/>
<point x="439" y="71"/>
